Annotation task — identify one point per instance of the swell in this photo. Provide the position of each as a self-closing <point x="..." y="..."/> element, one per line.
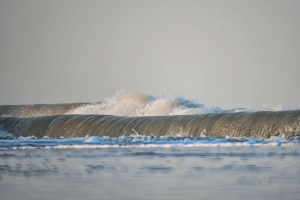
<point x="262" y="124"/>
<point x="39" y="109"/>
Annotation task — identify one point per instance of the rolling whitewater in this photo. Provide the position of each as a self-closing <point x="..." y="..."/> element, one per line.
<point x="136" y="146"/>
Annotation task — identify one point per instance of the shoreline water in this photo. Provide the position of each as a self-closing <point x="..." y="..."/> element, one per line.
<point x="146" y="173"/>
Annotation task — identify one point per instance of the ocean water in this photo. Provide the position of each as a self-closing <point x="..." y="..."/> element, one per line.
<point x="135" y="146"/>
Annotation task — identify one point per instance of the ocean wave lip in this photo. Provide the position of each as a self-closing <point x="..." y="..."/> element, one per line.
<point x="124" y="104"/>
<point x="38" y="109"/>
<point x="136" y="104"/>
<point x="121" y="104"/>
<point x="141" y="141"/>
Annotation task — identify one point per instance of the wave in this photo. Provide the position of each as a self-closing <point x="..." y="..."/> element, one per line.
<point x="264" y="124"/>
<point x="136" y="104"/>
<point x="121" y="104"/>
<point x="39" y="109"/>
<point x="134" y="113"/>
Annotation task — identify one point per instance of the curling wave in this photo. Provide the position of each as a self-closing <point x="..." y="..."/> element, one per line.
<point x="264" y="124"/>
<point x="134" y="113"/>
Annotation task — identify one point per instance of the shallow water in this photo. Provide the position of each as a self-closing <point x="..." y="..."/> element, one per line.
<point x="248" y="172"/>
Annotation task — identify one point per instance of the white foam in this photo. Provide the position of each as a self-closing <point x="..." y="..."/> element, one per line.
<point x="135" y="104"/>
<point x="139" y="141"/>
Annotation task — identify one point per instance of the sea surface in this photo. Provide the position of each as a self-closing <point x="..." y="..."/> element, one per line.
<point x="135" y="146"/>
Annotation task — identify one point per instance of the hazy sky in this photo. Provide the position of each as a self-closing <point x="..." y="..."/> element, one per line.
<point x="227" y="53"/>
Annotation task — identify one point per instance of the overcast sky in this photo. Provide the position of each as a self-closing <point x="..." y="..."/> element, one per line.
<point x="226" y="53"/>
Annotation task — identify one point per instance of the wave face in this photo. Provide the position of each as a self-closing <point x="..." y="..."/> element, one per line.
<point x="138" y="114"/>
<point x="262" y="124"/>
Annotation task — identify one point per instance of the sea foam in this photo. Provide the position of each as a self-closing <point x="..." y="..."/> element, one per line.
<point x="136" y="104"/>
<point x="140" y="141"/>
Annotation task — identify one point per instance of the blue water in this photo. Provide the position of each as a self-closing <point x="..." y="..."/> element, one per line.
<point x="149" y="168"/>
<point x="139" y="141"/>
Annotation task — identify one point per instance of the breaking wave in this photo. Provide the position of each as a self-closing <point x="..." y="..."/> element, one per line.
<point x="265" y="124"/>
<point x="120" y="104"/>
<point x="125" y="114"/>
<point x="135" y="104"/>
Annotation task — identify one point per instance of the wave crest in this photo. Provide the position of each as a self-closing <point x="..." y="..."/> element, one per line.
<point x="136" y="104"/>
